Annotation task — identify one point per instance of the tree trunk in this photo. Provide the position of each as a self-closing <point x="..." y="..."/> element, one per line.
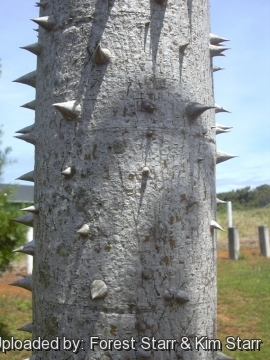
<point x="124" y="177"/>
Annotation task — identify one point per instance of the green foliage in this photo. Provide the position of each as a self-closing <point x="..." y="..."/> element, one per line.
<point x="4" y="160"/>
<point x="247" y="197"/>
<point x="12" y="234"/>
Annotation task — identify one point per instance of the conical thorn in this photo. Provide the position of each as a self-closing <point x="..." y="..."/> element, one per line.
<point x="35" y="48"/>
<point x="31" y="105"/>
<point x="217" y="68"/>
<point x="195" y="109"/>
<point x="223" y="127"/>
<point x="28" y="137"/>
<point x="28" y="79"/>
<point x="46" y="22"/>
<point x="98" y="289"/>
<point x="27" y="177"/>
<point x="101" y="56"/>
<point x="33" y="208"/>
<point x="84" y="230"/>
<point x="216" y="39"/>
<point x="219" y="109"/>
<point x="25" y="283"/>
<point x="222" y="156"/>
<point x="145" y="171"/>
<point x="26" y="130"/>
<point x="28" y="248"/>
<point x="27" y="219"/>
<point x="217" y="50"/>
<point x="182" y="296"/>
<point x="215" y="225"/>
<point x="220" y="201"/>
<point x="69" y="109"/>
<point x="221" y="131"/>
<point x="69" y="171"/>
<point x="28" y="327"/>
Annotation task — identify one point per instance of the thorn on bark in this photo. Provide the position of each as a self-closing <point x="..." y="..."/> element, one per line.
<point x="26" y="130"/>
<point x="222" y="156"/>
<point x="31" y="105"/>
<point x="28" y="137"/>
<point x="219" y="108"/>
<point x="28" y="79"/>
<point x="215" y="225"/>
<point x="35" y="48"/>
<point x="101" y="56"/>
<point x="27" y="177"/>
<point x="46" y="22"/>
<point x="98" y="289"/>
<point x="216" y="39"/>
<point x="69" y="109"/>
<point x="33" y="208"/>
<point x="84" y="230"/>
<point x="182" y="297"/>
<point x="28" y="248"/>
<point x="217" y="50"/>
<point x="25" y="283"/>
<point x="195" y="109"/>
<point x="27" y="219"/>
<point x="27" y="328"/>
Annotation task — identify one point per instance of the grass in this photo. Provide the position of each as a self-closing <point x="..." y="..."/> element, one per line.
<point x="14" y="313"/>
<point x="247" y="221"/>
<point x="244" y="303"/>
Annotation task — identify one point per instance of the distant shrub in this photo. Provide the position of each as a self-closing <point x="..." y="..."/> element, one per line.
<point x="247" y="197"/>
<point x="12" y="234"/>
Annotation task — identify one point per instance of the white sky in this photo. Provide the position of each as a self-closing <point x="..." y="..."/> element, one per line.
<point x="243" y="88"/>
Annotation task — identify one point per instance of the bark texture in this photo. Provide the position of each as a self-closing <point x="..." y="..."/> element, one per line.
<point x="123" y="236"/>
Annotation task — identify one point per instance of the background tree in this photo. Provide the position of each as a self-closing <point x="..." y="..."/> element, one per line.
<point x="11" y="235"/>
<point x="247" y="197"/>
<point x="124" y="175"/>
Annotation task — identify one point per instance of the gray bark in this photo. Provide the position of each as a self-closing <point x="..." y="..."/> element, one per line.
<point x="124" y="244"/>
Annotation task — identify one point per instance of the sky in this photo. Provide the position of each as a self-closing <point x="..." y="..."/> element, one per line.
<point x="243" y="88"/>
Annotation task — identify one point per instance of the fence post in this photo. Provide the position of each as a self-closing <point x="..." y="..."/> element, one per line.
<point x="229" y="213"/>
<point x="264" y="240"/>
<point x="234" y="244"/>
<point x="29" y="258"/>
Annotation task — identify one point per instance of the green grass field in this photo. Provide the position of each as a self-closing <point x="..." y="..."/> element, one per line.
<point x="244" y="303"/>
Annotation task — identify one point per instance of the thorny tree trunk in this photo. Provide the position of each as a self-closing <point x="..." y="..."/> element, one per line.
<point x="124" y="176"/>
